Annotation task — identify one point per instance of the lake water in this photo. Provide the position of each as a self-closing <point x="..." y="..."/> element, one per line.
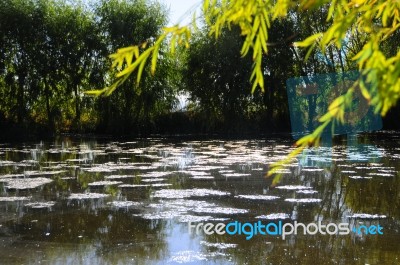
<point x="85" y="201"/>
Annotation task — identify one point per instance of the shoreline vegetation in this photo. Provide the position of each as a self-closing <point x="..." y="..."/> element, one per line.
<point x="53" y="52"/>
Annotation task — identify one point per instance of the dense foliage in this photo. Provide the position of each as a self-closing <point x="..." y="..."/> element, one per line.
<point x="52" y="51"/>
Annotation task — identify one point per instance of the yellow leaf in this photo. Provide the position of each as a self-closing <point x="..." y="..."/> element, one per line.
<point x="310" y="40"/>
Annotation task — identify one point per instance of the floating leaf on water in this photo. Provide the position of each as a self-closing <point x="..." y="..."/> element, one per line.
<point x="160" y="215"/>
<point x="187" y="256"/>
<point x="133" y="185"/>
<point x="358" y="177"/>
<point x="177" y="194"/>
<point x="99" y="169"/>
<point x="283" y="171"/>
<point x="307" y="191"/>
<point x="104" y="183"/>
<point x="4" y="163"/>
<point x="202" y="168"/>
<point x="312" y="169"/>
<point x="220" y="210"/>
<point x="119" y="176"/>
<point x="67" y="178"/>
<point x="193" y="218"/>
<point x="85" y="196"/>
<point x="26" y="183"/>
<point x="345" y="165"/>
<point x="9" y="176"/>
<point x="381" y="174"/>
<point x="274" y="216"/>
<point x="32" y="162"/>
<point x="235" y="175"/>
<point x="202" y="177"/>
<point x="40" y="205"/>
<point x="124" y="204"/>
<point x="366" y="216"/>
<point x="292" y="187"/>
<point x="219" y="219"/>
<point x="77" y="160"/>
<point x="187" y="203"/>
<point x="43" y="173"/>
<point x="155" y="174"/>
<point x="303" y="200"/>
<point x="218" y="245"/>
<point x="226" y="171"/>
<point x="198" y="173"/>
<point x="160" y="184"/>
<point x="14" y="199"/>
<point x="257" y="197"/>
<point x="153" y="180"/>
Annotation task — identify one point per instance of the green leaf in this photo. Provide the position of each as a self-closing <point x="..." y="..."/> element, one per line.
<point x="310" y="40"/>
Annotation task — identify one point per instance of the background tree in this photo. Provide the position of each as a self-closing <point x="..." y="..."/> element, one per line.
<point x="132" y="107"/>
<point x="52" y="51"/>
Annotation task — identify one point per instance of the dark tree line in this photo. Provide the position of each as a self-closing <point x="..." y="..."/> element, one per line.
<point x="51" y="52"/>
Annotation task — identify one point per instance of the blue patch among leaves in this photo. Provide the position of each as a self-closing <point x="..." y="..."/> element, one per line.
<point x="309" y="98"/>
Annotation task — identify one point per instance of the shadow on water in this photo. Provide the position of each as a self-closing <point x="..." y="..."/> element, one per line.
<point x="101" y="202"/>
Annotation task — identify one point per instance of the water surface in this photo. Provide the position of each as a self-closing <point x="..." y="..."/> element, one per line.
<point x="83" y="201"/>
